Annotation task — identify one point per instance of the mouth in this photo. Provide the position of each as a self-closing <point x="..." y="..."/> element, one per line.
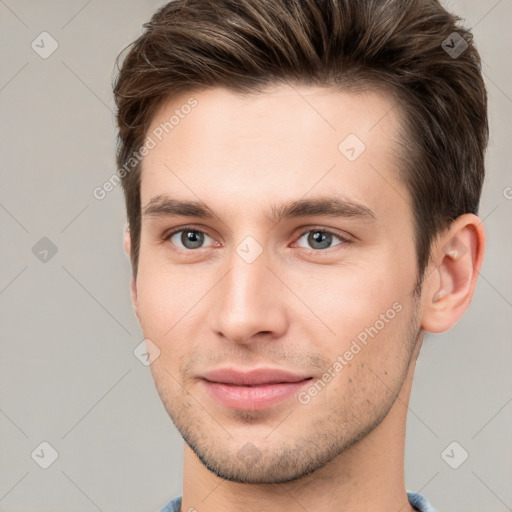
<point x="252" y="390"/>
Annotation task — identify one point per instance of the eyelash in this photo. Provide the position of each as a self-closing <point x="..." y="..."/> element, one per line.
<point x="343" y="240"/>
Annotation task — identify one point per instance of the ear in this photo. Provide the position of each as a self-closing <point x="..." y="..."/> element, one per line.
<point x="133" y="284"/>
<point x="450" y="282"/>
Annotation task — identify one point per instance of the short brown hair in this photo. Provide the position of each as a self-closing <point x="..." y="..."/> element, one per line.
<point x="413" y="49"/>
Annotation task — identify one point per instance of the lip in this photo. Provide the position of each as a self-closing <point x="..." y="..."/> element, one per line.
<point x="252" y="390"/>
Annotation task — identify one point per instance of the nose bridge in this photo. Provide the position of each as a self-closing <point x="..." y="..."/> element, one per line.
<point x="246" y="302"/>
<point x="246" y="282"/>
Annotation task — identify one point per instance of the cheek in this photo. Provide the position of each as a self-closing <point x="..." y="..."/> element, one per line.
<point x="172" y="301"/>
<point x="161" y="296"/>
<point x="369" y="360"/>
<point x="350" y="301"/>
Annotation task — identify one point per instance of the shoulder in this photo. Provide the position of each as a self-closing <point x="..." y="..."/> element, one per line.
<point x="172" y="506"/>
<point x="419" y="502"/>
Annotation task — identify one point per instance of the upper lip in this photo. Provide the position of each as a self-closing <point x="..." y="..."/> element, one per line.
<point x="256" y="377"/>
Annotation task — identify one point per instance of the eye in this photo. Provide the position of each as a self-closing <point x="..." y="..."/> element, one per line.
<point x="188" y="238"/>
<point x="320" y="239"/>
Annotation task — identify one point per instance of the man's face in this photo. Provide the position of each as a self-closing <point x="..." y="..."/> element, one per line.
<point x="237" y="297"/>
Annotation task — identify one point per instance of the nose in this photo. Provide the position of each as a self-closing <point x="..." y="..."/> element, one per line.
<point x="249" y="302"/>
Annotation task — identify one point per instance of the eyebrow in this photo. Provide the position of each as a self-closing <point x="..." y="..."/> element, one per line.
<point x="331" y="206"/>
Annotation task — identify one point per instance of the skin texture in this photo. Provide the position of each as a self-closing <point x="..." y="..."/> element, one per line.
<point x="297" y="306"/>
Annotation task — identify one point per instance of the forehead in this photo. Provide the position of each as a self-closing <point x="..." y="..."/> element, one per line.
<point x="285" y="143"/>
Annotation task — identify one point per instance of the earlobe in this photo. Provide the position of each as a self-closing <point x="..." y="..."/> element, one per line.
<point x="127" y="241"/>
<point x="133" y="290"/>
<point x="457" y="259"/>
<point x="133" y="283"/>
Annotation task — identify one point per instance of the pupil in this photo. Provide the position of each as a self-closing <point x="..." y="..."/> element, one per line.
<point x="321" y="239"/>
<point x="192" y="239"/>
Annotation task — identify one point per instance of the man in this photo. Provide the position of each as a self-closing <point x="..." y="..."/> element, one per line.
<point x="302" y="180"/>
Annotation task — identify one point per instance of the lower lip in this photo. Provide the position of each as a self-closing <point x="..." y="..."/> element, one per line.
<point x="253" y="398"/>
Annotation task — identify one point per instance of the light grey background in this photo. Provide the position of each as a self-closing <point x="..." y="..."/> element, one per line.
<point x="68" y="375"/>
